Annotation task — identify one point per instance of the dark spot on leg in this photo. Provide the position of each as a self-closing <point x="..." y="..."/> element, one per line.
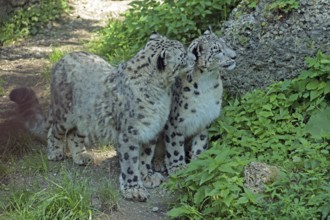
<point x="132" y="147"/>
<point x="205" y="146"/>
<point x="186" y="89"/>
<point x="202" y="137"/>
<point x="167" y="138"/>
<point x="148" y="151"/>
<point x="173" y="135"/>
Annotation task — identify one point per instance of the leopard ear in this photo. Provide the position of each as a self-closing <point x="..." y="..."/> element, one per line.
<point x="208" y="31"/>
<point x="194" y="51"/>
<point x="161" y="61"/>
<point x="197" y="50"/>
<point x="154" y="36"/>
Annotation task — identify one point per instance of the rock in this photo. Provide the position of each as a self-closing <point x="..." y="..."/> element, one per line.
<point x="16" y="3"/>
<point x="155" y="209"/>
<point x="272" y="46"/>
<point x="257" y="175"/>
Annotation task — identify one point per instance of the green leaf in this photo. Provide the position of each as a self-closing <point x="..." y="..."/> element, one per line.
<point x="326" y="211"/>
<point x="242" y="200"/>
<point x="177" y="212"/>
<point x="293" y="97"/>
<point x="265" y="114"/>
<point x="227" y="168"/>
<point x="327" y="88"/>
<point x="312" y="85"/>
<point x="319" y="124"/>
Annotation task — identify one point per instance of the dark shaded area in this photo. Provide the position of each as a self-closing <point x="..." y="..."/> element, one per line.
<point x="23" y="64"/>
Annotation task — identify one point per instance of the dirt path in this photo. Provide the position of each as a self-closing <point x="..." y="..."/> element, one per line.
<point x="25" y="64"/>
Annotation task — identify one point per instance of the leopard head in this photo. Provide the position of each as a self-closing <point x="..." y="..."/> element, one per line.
<point x="211" y="52"/>
<point x="168" y="57"/>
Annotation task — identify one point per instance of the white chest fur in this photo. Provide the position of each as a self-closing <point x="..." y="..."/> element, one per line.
<point x="203" y="104"/>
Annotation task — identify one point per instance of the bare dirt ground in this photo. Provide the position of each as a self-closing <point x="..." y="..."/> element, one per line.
<point x="25" y="63"/>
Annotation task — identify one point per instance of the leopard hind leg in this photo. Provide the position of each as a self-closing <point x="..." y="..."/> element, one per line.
<point x="199" y="144"/>
<point x="76" y="144"/>
<point x="56" y="143"/>
<point x="150" y="178"/>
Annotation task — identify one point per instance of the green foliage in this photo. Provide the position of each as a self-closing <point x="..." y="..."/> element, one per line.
<point x="108" y="195"/>
<point x="180" y="19"/>
<point x="34" y="163"/>
<point x="56" y="55"/>
<point x="286" y="125"/>
<point x="30" y="21"/>
<point x="284" y="6"/>
<point x="67" y="197"/>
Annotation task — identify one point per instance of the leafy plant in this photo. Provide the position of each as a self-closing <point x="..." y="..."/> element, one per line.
<point x="286" y="125"/>
<point x="284" y="6"/>
<point x="64" y="198"/>
<point x="108" y="195"/>
<point x="34" y="163"/>
<point x="181" y="19"/>
<point x="30" y="20"/>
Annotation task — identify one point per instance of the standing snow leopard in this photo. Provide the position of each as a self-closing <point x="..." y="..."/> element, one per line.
<point x="196" y="101"/>
<point x="93" y="102"/>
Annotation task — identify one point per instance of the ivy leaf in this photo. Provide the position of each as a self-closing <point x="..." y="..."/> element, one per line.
<point x="319" y="124"/>
<point x="314" y="84"/>
<point x="327" y="88"/>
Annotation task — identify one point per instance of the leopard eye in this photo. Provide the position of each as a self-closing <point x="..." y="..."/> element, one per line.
<point x="217" y="49"/>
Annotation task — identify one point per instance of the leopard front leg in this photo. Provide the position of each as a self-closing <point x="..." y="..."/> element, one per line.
<point x="199" y="144"/>
<point x="131" y="185"/>
<point x="55" y="144"/>
<point x="150" y="178"/>
<point x="78" y="150"/>
<point x="175" y="154"/>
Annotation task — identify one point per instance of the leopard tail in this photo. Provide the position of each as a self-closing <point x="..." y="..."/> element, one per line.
<point x="30" y="111"/>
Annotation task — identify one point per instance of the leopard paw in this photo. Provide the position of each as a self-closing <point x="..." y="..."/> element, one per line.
<point x="135" y="193"/>
<point x="175" y="168"/>
<point x="56" y="155"/>
<point x="152" y="180"/>
<point x="83" y="158"/>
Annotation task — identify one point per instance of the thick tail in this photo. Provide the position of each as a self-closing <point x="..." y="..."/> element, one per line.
<point x="30" y="111"/>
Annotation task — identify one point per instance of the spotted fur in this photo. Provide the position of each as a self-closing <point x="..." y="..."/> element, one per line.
<point x="95" y="103"/>
<point x="196" y="100"/>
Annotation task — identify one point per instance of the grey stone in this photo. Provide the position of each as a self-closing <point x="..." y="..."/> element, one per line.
<point x="272" y="47"/>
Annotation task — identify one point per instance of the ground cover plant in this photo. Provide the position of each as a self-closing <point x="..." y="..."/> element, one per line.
<point x="29" y="21"/>
<point x="286" y="125"/>
<point x="65" y="194"/>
